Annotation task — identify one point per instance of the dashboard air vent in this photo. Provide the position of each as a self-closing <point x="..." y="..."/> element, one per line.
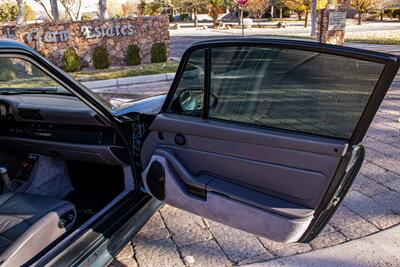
<point x="30" y="114"/>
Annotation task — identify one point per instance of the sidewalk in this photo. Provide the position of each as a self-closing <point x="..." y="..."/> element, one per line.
<point x="381" y="249"/>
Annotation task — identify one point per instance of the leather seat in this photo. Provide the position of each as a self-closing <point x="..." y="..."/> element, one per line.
<point x="29" y="223"/>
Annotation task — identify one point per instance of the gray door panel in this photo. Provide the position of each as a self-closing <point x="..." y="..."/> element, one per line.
<point x="293" y="168"/>
<point x="229" y="211"/>
<point x="264" y="135"/>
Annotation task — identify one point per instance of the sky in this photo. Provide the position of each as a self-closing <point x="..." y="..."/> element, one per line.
<point x="87" y="5"/>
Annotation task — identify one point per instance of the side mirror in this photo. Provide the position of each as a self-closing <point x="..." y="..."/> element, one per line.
<point x="192" y="101"/>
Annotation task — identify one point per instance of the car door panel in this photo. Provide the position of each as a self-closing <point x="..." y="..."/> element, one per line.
<point x="260" y="160"/>
<point x="270" y="145"/>
<point x="223" y="209"/>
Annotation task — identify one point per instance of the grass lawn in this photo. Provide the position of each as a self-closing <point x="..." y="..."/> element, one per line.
<point x="93" y="74"/>
<point x="125" y="71"/>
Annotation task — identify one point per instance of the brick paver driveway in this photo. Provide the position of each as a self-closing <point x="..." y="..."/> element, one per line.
<point x="177" y="238"/>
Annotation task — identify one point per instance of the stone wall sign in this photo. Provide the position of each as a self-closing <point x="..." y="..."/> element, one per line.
<point x="52" y="39"/>
<point x="331" y="26"/>
<point x="337" y="20"/>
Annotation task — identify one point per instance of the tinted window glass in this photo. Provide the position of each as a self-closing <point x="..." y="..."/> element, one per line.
<point x="188" y="97"/>
<point x="292" y="90"/>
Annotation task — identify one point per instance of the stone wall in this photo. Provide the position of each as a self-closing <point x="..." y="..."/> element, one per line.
<point x="52" y="39"/>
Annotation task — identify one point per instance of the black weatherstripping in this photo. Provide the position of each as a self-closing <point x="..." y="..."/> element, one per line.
<point x="344" y="178"/>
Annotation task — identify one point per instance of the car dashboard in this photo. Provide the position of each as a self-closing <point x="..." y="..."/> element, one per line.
<point x="57" y="125"/>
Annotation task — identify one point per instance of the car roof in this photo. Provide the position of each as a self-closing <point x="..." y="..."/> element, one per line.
<point x="9" y="43"/>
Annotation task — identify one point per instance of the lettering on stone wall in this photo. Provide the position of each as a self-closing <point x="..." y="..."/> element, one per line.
<point x="38" y="37"/>
<point x="104" y="31"/>
<point x="7" y="33"/>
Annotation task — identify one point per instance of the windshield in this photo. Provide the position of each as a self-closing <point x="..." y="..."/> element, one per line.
<point x="18" y="76"/>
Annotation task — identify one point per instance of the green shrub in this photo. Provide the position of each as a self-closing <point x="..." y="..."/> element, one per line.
<point x="392" y="13"/>
<point x="285" y="12"/>
<point x="7" y="75"/>
<point x="36" y="72"/>
<point x="100" y="57"/>
<point x="132" y="57"/>
<point x="158" y="53"/>
<point x="7" y="72"/>
<point x="396" y="13"/>
<point x="71" y="61"/>
<point x="86" y="17"/>
<point x="184" y="17"/>
<point x="5" y="63"/>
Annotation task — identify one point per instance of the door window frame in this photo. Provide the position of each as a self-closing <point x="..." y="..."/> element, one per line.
<point x="391" y="64"/>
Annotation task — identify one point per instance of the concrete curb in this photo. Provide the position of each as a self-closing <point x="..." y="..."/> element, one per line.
<point x="101" y="84"/>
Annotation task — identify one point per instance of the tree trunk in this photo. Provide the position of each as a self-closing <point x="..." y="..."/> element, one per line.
<point x="103" y="9"/>
<point x="21" y="12"/>
<point x="381" y="15"/>
<point x="280" y="12"/>
<point x="54" y="10"/>
<point x="313" y="17"/>
<point x="272" y="12"/>
<point x="359" y="18"/>
<point x="196" y="19"/>
<point x="306" y="20"/>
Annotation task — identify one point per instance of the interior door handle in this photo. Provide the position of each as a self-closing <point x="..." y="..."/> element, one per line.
<point x="180" y="139"/>
<point x="199" y="182"/>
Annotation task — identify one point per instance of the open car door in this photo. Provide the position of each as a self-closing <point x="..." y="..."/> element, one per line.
<point x="264" y="135"/>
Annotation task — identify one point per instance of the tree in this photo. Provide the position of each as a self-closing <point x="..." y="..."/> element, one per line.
<point x="313" y="17"/>
<point x="127" y="8"/>
<point x="258" y="8"/>
<point x="153" y="9"/>
<point x="303" y="7"/>
<point x="10" y="12"/>
<point x="141" y="7"/>
<point x="53" y="13"/>
<point x="54" y="10"/>
<point x="103" y="9"/>
<point x="194" y="5"/>
<point x="215" y="8"/>
<point x="21" y="12"/>
<point x="29" y="13"/>
<point x="381" y="5"/>
<point x="363" y="7"/>
<point x="300" y="7"/>
<point x="73" y="8"/>
<point x="114" y="9"/>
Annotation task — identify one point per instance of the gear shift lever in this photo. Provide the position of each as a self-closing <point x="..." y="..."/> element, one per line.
<point x="4" y="179"/>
